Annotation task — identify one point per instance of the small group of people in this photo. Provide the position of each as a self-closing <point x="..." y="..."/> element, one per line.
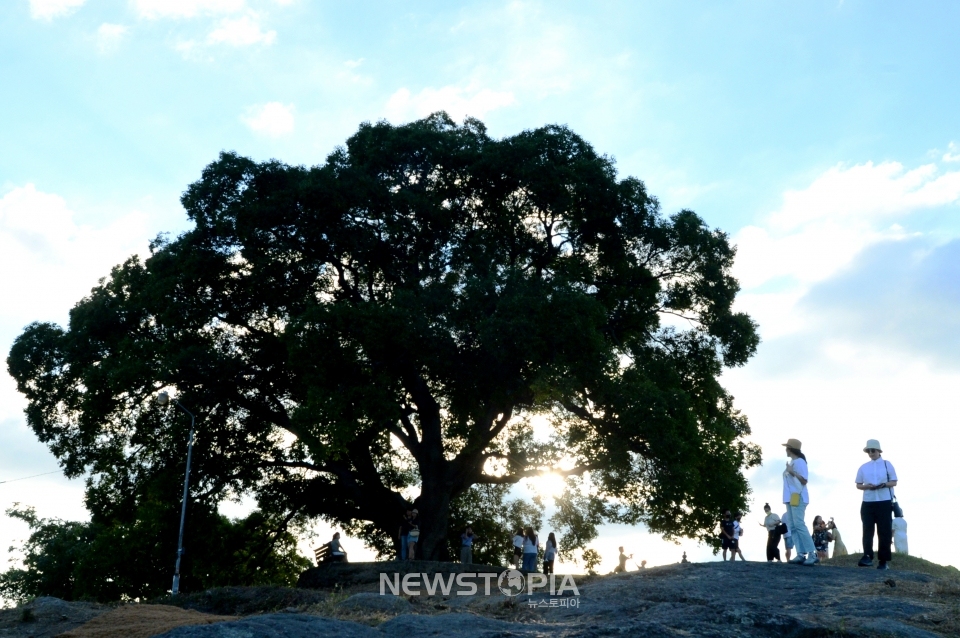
<point x="730" y="532"/>
<point x="879" y="513"/>
<point x="622" y="562"/>
<point x="526" y="549"/>
<point x="823" y="534"/>
<point x="876" y="478"/>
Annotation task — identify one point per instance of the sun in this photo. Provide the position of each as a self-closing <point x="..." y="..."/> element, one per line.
<point x="548" y="485"/>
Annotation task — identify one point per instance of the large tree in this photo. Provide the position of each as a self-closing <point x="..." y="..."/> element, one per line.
<point x="400" y="323"/>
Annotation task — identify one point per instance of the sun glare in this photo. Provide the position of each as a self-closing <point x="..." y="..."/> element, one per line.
<point x="548" y="485"/>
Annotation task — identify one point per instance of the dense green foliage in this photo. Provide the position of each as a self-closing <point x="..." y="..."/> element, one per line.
<point x="130" y="560"/>
<point x="400" y="320"/>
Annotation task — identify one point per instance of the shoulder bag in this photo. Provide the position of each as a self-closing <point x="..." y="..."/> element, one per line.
<point x="897" y="510"/>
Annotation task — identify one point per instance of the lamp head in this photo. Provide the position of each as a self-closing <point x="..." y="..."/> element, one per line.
<point x="163" y="398"/>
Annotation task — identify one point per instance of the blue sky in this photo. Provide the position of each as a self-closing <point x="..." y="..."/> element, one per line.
<point x="823" y="136"/>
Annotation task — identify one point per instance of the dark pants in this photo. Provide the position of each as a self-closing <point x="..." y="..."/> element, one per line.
<point x="879" y="514"/>
<point x="773" y="545"/>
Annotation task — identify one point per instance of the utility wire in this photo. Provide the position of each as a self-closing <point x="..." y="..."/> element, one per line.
<point x="29" y="477"/>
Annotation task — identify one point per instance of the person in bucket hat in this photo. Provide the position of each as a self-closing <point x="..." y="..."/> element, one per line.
<point x="876" y="478"/>
<point x="796" y="498"/>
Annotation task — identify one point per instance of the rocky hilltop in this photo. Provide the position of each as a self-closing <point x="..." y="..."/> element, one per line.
<point x="697" y="599"/>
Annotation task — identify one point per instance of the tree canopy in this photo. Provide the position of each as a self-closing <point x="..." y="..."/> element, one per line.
<point x="404" y="323"/>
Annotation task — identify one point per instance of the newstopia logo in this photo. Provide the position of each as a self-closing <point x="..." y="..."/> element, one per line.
<point x="510" y="582"/>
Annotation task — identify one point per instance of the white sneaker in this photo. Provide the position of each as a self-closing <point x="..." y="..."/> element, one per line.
<point x="811" y="560"/>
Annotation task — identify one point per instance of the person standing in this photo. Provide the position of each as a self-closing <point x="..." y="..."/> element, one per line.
<point x="787" y="536"/>
<point x="531" y="545"/>
<point x="772" y="522"/>
<point x="466" y="546"/>
<point x="737" y="533"/>
<point x="549" y="554"/>
<point x="876" y="478"/>
<point x="404" y="528"/>
<point x="839" y="549"/>
<point x="726" y="535"/>
<point x="796" y="498"/>
<point x="413" y="534"/>
<point x="622" y="561"/>
<point x="821" y="537"/>
<point x="517" y="549"/>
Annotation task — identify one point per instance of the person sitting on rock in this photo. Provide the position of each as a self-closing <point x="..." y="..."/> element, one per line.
<point x="622" y="567"/>
<point x="337" y="554"/>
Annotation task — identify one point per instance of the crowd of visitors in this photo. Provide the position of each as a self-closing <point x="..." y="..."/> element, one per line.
<point x="880" y="515"/>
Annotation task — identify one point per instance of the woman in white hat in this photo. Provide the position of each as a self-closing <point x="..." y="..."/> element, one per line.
<point x="876" y="478"/>
<point x="796" y="498"/>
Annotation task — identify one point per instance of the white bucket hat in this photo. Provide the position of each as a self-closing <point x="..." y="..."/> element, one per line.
<point x="873" y="444"/>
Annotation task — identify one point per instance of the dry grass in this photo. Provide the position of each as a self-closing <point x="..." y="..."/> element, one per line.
<point x="141" y="621"/>
<point x="902" y="563"/>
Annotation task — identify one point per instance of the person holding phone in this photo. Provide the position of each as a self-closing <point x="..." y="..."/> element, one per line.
<point x="876" y="478"/>
<point x="796" y="498"/>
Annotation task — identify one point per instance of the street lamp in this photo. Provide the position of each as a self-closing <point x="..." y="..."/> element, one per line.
<point x="163" y="399"/>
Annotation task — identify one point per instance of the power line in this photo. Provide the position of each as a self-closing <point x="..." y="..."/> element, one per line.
<point x="29" y="477"/>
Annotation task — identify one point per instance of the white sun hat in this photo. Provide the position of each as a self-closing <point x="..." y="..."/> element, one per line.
<point x="873" y="444"/>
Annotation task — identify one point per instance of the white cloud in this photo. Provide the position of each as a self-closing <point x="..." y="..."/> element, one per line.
<point x="819" y="229"/>
<point x="50" y="9"/>
<point x="458" y="102"/>
<point x="109" y="36"/>
<point x="952" y="154"/>
<point x="49" y="261"/>
<point x="242" y="31"/>
<point x="153" y="9"/>
<point x="273" y="119"/>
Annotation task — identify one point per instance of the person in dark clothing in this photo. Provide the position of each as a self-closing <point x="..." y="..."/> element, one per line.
<point x="726" y="536"/>
<point x="413" y="535"/>
<point x="775" y="531"/>
<point x="404" y="528"/>
<point x="876" y="478"/>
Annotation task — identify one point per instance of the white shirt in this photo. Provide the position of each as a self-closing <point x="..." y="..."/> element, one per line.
<point x="792" y="485"/>
<point x="736" y="530"/>
<point x="771" y="521"/>
<point x="530" y="546"/>
<point x="875" y="473"/>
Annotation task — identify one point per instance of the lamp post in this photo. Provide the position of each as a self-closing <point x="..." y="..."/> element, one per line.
<point x="163" y="399"/>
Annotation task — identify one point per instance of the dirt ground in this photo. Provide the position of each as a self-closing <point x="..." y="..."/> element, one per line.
<point x="141" y="621"/>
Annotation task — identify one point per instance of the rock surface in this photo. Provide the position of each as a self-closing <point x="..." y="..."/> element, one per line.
<point x="699" y="599"/>
<point x="706" y="599"/>
<point x="46" y="617"/>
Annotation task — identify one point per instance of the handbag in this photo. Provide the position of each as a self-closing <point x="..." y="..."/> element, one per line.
<point x="795" y="499"/>
<point x="413" y="534"/>
<point x="897" y="510"/>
